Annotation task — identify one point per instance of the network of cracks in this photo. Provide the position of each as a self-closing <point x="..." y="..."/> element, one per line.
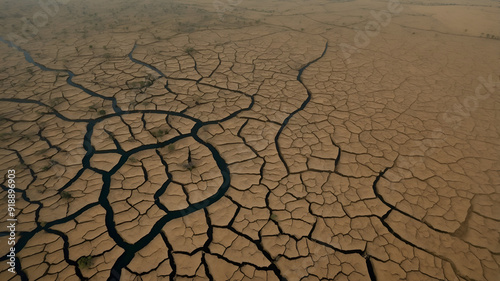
<point x="181" y="176"/>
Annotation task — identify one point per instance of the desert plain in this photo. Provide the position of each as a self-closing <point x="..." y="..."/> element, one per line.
<point x="251" y="139"/>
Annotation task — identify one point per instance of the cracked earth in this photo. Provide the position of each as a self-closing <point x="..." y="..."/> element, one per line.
<point x="174" y="141"/>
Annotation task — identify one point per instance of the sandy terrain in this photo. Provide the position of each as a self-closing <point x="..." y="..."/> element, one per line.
<point x="251" y="140"/>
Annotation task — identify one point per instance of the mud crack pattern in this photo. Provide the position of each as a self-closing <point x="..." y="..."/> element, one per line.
<point x="250" y="151"/>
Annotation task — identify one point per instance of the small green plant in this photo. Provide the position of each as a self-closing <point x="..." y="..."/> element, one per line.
<point x="30" y="71"/>
<point x="107" y="55"/>
<point x="274" y="217"/>
<point x="93" y="107"/>
<point x="56" y="101"/>
<point x="133" y="160"/>
<point x="189" y="50"/>
<point x="66" y="195"/>
<point x="190" y="165"/>
<point x="102" y="112"/>
<point x="43" y="223"/>
<point x="90" y="46"/>
<point x="84" y="262"/>
<point x="160" y="133"/>
<point x="197" y="100"/>
<point x="171" y="147"/>
<point x="46" y="168"/>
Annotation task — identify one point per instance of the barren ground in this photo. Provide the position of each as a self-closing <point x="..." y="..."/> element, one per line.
<point x="252" y="140"/>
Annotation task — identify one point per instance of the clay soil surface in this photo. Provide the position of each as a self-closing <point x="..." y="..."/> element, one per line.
<point x="251" y="139"/>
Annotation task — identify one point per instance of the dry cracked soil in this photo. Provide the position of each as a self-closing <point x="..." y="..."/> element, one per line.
<point x="251" y="140"/>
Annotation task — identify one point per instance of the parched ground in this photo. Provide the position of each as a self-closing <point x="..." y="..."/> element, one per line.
<point x="251" y="140"/>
